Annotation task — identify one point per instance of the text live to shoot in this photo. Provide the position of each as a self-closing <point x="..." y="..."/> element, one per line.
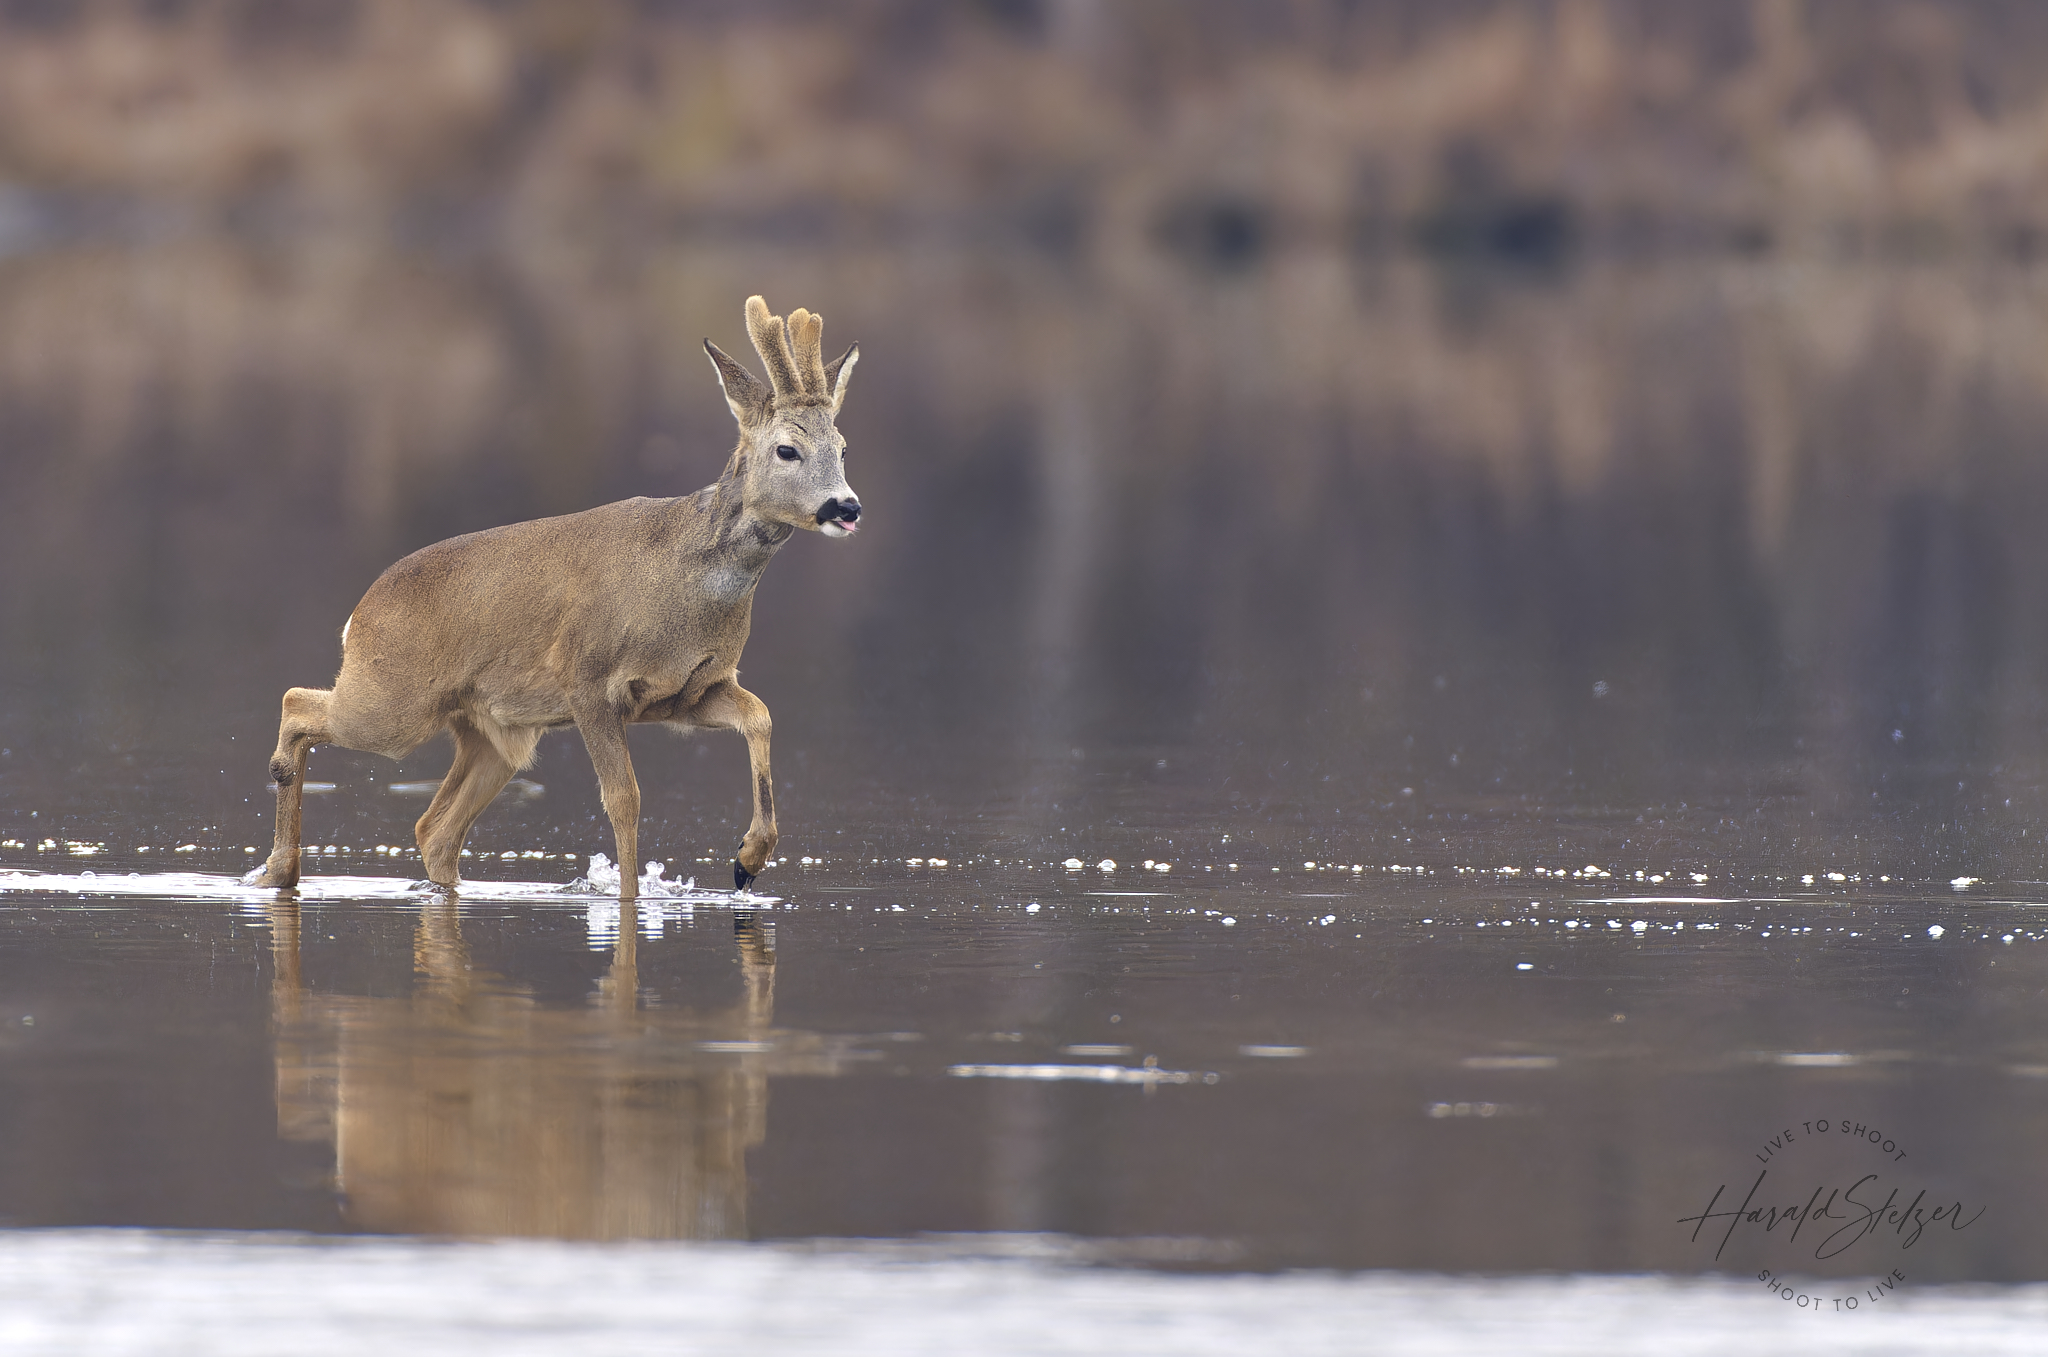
<point x="1832" y="1219"/>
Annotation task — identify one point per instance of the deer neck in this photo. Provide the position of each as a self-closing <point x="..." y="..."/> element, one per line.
<point x="738" y="542"/>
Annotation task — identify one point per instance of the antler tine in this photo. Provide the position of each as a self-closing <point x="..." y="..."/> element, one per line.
<point x="771" y="341"/>
<point x="807" y="342"/>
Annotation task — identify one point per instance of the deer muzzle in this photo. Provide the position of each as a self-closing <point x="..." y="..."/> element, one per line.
<point x="839" y="515"/>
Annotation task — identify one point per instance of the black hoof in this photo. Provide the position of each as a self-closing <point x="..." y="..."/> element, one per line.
<point x="741" y="877"/>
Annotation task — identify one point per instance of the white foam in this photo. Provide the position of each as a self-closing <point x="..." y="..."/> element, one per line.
<point x="218" y="886"/>
<point x="1668" y="900"/>
<point x="1093" y="1074"/>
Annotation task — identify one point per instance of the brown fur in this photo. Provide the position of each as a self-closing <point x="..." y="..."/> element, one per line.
<point x="634" y="612"/>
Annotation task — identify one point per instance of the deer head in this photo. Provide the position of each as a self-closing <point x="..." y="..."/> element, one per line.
<point x="790" y="465"/>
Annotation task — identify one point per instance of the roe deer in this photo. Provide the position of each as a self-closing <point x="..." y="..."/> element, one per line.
<point x="634" y="611"/>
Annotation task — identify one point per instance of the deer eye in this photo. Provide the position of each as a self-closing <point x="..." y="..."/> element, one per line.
<point x="786" y="453"/>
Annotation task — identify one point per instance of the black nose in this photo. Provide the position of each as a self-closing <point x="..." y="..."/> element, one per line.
<point x="839" y="510"/>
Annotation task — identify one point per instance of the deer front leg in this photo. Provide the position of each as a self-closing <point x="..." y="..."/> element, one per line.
<point x="727" y="706"/>
<point x="604" y="735"/>
<point x="303" y="725"/>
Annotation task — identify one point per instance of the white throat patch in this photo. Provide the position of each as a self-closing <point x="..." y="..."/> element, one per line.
<point x="729" y="584"/>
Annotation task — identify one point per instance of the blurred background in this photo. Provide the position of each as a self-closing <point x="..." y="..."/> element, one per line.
<point x="1393" y="372"/>
<point x="1088" y="129"/>
<point x="1443" y="432"/>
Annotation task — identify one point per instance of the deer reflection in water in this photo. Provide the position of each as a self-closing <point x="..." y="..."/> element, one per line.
<point x="471" y="1108"/>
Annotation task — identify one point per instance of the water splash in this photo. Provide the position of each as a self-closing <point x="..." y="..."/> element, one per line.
<point x="602" y="878"/>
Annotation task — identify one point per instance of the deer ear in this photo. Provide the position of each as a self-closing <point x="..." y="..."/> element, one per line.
<point x="836" y="373"/>
<point x="744" y="392"/>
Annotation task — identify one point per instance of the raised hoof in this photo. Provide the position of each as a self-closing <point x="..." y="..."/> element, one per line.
<point x="741" y="877"/>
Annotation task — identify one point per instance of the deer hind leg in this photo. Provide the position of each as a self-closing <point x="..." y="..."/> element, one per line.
<point x="482" y="767"/>
<point x="304" y="725"/>
<point x="604" y="735"/>
<point x="727" y="706"/>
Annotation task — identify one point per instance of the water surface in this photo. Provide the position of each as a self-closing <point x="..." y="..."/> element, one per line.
<point x="1581" y="730"/>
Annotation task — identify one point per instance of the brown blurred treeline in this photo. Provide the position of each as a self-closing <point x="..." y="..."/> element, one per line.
<point x="1518" y="127"/>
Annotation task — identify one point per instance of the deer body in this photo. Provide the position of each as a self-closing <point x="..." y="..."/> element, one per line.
<point x="629" y="613"/>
